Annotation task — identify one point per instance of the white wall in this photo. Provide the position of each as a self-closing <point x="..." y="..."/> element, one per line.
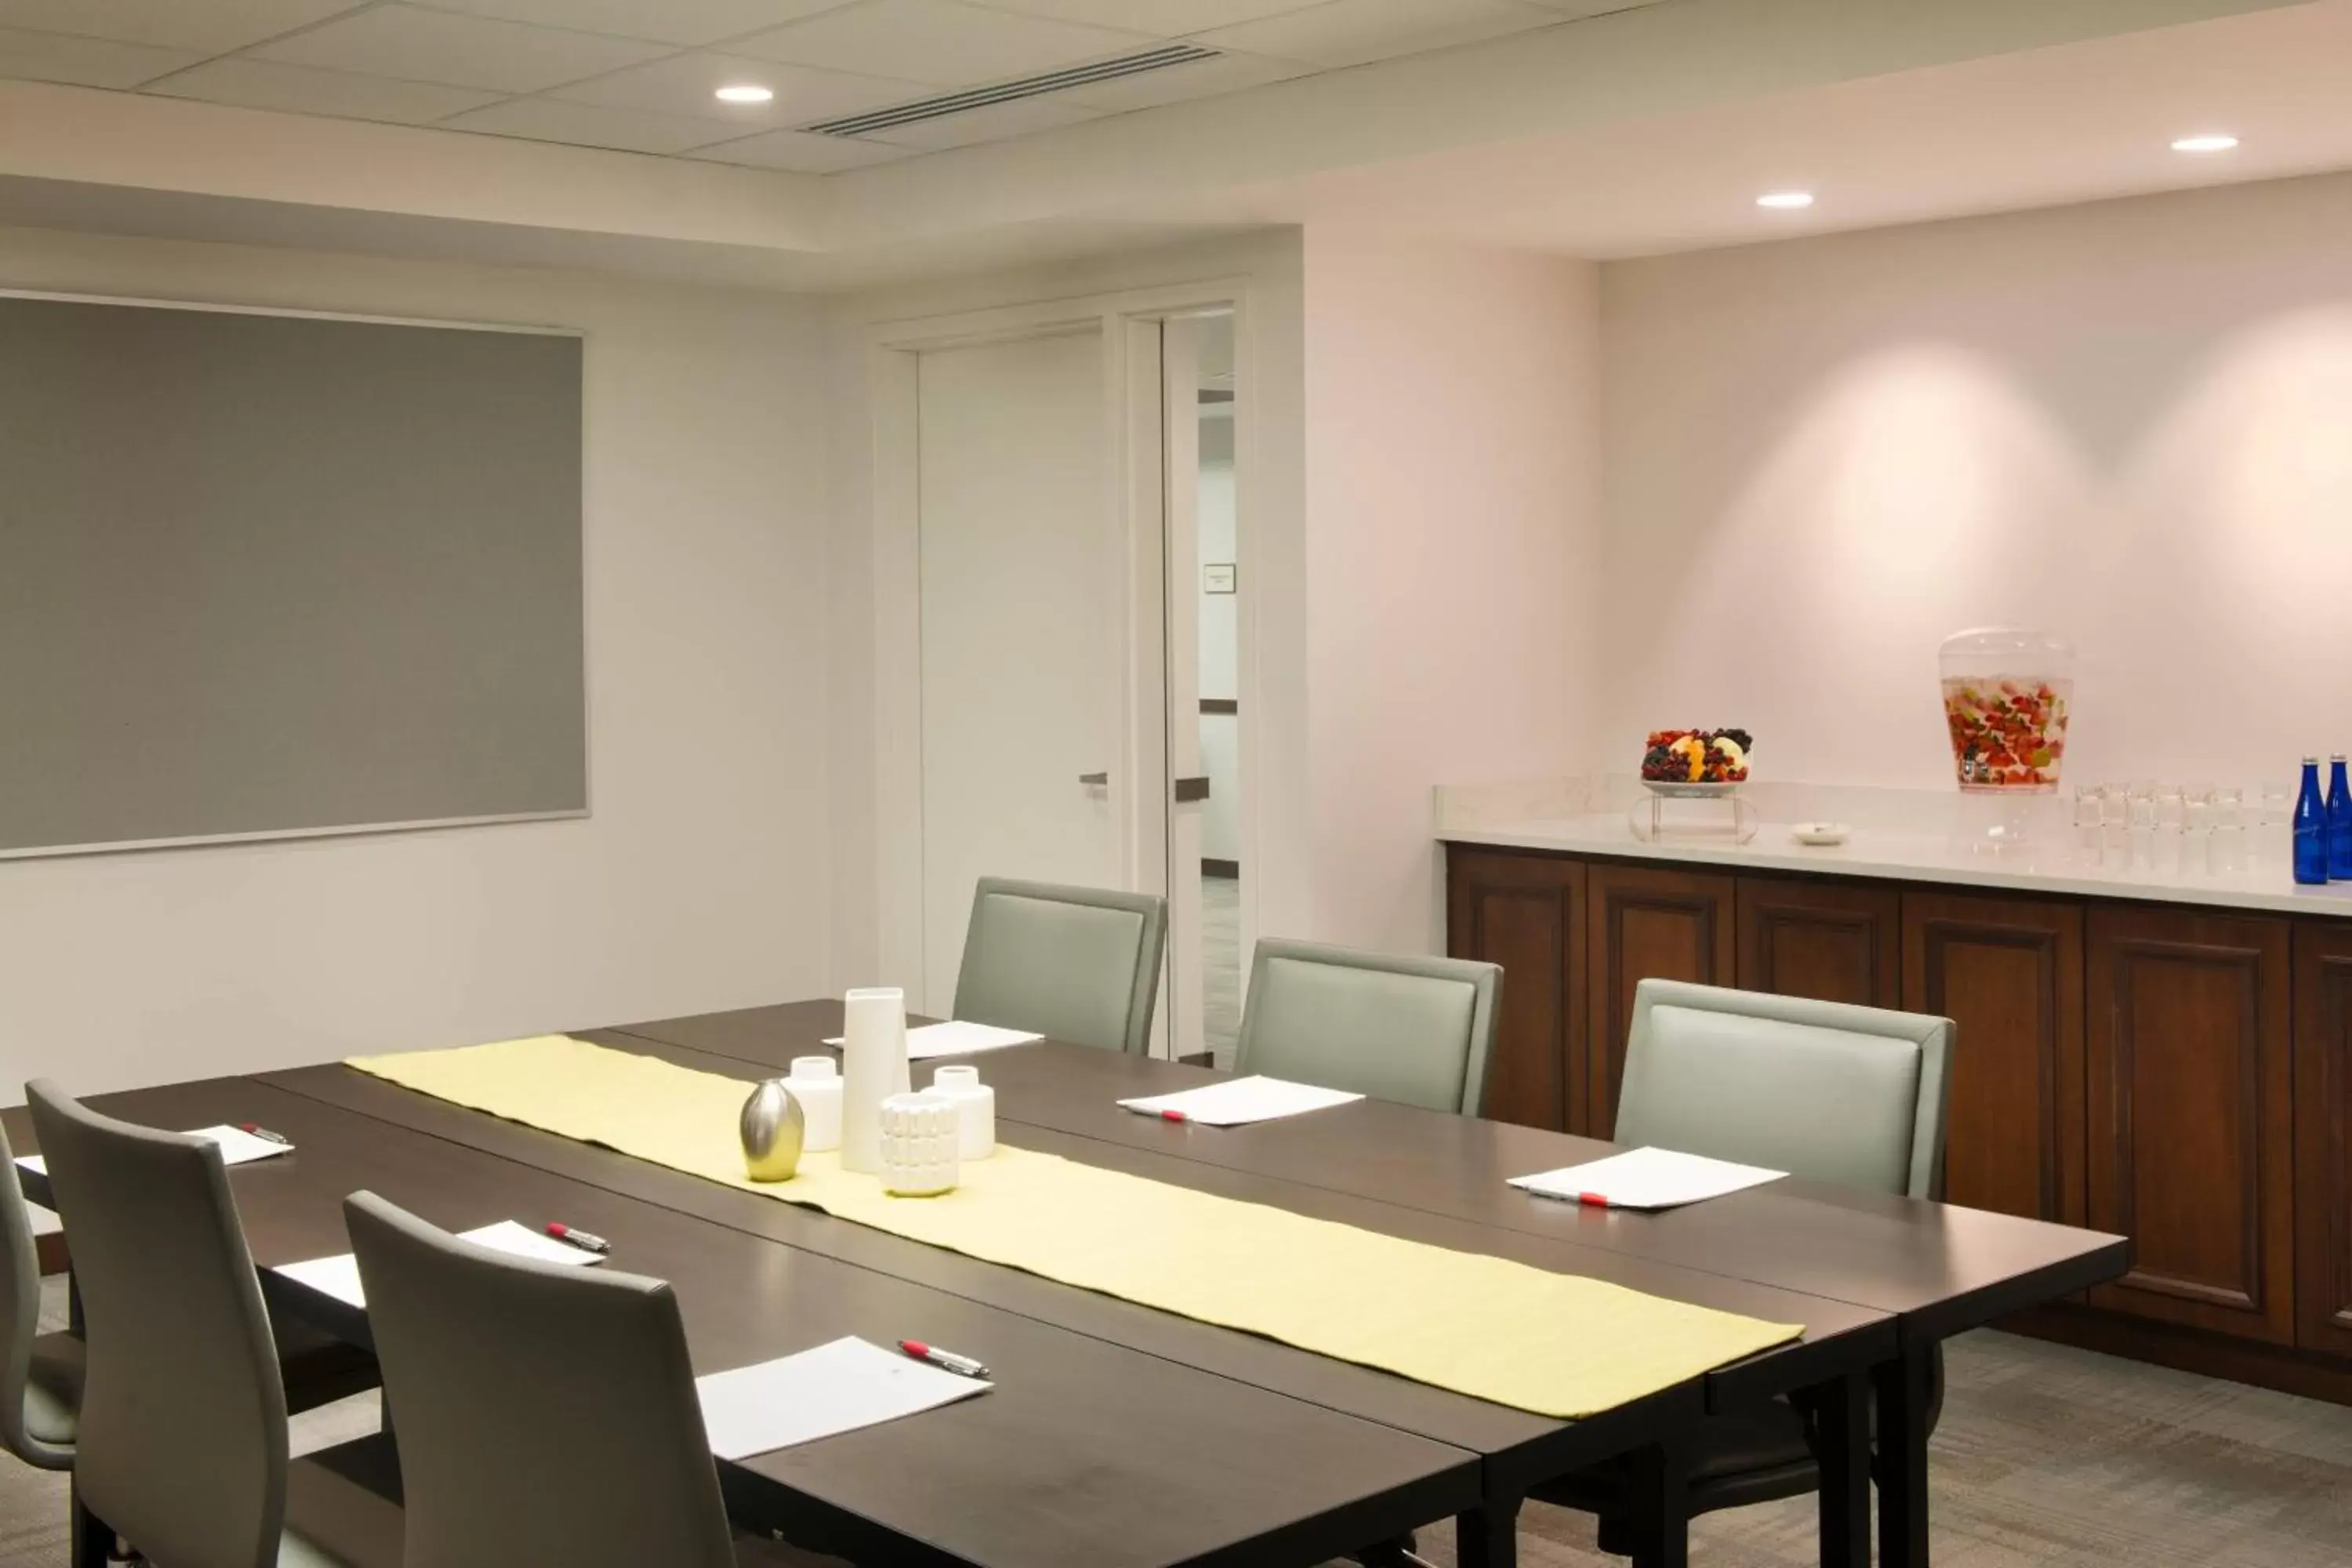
<point x="701" y="879"/>
<point x="1452" y="539"/>
<point x="2128" y="422"/>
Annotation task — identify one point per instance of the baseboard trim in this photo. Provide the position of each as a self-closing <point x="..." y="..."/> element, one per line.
<point x="1229" y="869"/>
<point x="2188" y="1349"/>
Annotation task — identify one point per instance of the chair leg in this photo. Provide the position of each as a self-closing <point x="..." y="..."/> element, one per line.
<point x="1660" y="1522"/>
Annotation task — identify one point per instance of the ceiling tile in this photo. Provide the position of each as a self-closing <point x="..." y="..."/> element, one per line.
<point x="416" y="45"/>
<point x="936" y="41"/>
<point x="208" y="27"/>
<point x="684" y="84"/>
<point x="1351" y="32"/>
<point x="589" y="125"/>
<point x="1590" y="7"/>
<point x="994" y="123"/>
<point x="1175" y="84"/>
<point x="299" y="89"/>
<point x="800" y="152"/>
<point x="1167" y="18"/>
<point x="85" y="62"/>
<point x="664" y="21"/>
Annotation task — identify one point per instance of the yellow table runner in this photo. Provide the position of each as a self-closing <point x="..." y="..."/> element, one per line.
<point x="1556" y="1344"/>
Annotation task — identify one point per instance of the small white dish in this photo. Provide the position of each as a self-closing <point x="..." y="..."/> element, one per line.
<point x="1820" y="832"/>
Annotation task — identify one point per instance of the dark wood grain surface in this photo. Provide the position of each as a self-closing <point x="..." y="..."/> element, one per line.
<point x="1074" y="1458"/>
<point x="2191" y="1128"/>
<point x="1938" y="1269"/>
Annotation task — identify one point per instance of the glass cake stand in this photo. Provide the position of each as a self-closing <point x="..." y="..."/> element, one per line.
<point x="1692" y="813"/>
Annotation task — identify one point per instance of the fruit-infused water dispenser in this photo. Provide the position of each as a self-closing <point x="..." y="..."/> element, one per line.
<point x="2008" y="694"/>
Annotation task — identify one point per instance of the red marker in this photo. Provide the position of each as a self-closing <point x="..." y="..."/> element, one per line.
<point x="265" y="1133"/>
<point x="1171" y="1115"/>
<point x="962" y="1365"/>
<point x="580" y="1238"/>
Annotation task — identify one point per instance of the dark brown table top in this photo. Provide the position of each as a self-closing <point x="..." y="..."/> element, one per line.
<point x="1937" y="1267"/>
<point x="1074" y="1458"/>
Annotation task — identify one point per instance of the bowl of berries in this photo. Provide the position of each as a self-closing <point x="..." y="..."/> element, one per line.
<point x="1696" y="764"/>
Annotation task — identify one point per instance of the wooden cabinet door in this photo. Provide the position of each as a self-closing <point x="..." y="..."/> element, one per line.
<point x="2191" y="1126"/>
<point x="2009" y="971"/>
<point x="1526" y="912"/>
<point x="1833" y="942"/>
<point x="2323" y="1136"/>
<point x="1644" y="921"/>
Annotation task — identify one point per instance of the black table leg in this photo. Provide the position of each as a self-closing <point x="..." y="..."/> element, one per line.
<point x="1903" y="1390"/>
<point x="93" y="1539"/>
<point x="1661" y="1508"/>
<point x="1840" y="1412"/>
<point x="1489" y="1537"/>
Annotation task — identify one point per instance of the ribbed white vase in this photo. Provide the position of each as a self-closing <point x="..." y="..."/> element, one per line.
<point x="873" y="1069"/>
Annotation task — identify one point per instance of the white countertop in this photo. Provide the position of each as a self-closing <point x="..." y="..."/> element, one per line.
<point x="2052" y="863"/>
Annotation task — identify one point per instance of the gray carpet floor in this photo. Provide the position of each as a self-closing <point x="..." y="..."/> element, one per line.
<point x="2047" y="1457"/>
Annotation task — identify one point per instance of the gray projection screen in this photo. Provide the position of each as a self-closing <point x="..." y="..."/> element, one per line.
<point x="268" y="576"/>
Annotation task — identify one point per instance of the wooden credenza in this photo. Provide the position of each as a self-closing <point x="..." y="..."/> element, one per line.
<point x="2178" y="1074"/>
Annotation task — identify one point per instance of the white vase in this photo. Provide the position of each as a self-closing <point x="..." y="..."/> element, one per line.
<point x="815" y="1082"/>
<point x="873" y="1069"/>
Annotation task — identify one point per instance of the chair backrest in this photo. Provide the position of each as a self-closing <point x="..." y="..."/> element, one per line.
<point x="546" y="1413"/>
<point x="1824" y="1091"/>
<point x="20" y="1318"/>
<point x="182" y="1446"/>
<point x="1414" y="1030"/>
<point x="1079" y="964"/>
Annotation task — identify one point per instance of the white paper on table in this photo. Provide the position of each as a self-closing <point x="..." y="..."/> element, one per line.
<point x="836" y="1387"/>
<point x="237" y="1147"/>
<point x="1238" y="1101"/>
<point x="340" y="1276"/>
<point x="1646" y="1179"/>
<point x="958" y="1039"/>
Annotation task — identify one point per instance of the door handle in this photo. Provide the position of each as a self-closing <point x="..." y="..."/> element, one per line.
<point x="1190" y="790"/>
<point x="1094" y="779"/>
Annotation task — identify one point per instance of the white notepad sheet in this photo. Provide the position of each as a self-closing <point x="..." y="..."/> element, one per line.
<point x="1238" y="1101"/>
<point x="340" y="1276"/>
<point x="1646" y="1179"/>
<point x="836" y="1387"/>
<point x="958" y="1039"/>
<point x="237" y="1147"/>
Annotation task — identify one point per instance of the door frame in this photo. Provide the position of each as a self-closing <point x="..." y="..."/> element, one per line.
<point x="1136" y="495"/>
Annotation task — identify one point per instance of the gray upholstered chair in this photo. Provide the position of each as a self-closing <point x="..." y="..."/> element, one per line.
<point x="40" y="1378"/>
<point x="1414" y="1030"/>
<point x="1830" y="1092"/>
<point x="547" y="1414"/>
<point x="182" y="1445"/>
<point x="1079" y="964"/>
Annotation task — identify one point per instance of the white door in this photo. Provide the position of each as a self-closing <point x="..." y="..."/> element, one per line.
<point x="1024" y="671"/>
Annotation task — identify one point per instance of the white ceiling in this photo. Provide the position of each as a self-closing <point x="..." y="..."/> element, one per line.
<point x="638" y="75"/>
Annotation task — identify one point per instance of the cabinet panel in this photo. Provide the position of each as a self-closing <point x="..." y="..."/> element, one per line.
<point x="2190" y="1135"/>
<point x="2009" y="971"/>
<point x="1833" y="942"/>
<point x="1525" y="913"/>
<point x="1643" y="922"/>
<point x="2323" y="1137"/>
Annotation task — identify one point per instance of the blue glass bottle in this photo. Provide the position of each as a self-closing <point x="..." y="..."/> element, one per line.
<point x="2340" y="822"/>
<point x="2310" y="828"/>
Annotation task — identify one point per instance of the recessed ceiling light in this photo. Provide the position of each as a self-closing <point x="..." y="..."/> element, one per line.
<point x="745" y="92"/>
<point x="1785" y="201"/>
<point x="2204" y="144"/>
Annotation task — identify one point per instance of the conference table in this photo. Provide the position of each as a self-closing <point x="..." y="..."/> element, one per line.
<point x="1118" y="1434"/>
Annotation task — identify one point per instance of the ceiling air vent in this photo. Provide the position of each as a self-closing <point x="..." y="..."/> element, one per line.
<point x="941" y="107"/>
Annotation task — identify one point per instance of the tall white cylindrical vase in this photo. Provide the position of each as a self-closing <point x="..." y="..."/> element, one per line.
<point x="873" y="1069"/>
